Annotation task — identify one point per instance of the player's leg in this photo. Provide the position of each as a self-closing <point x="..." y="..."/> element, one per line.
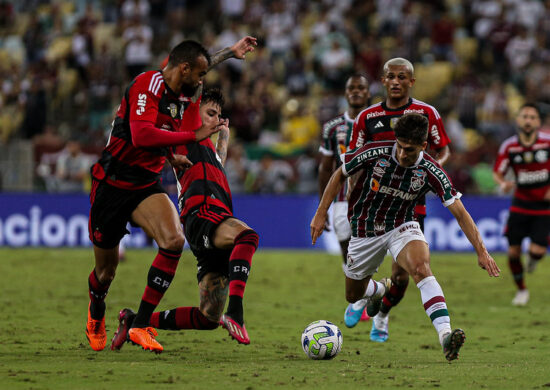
<point x="213" y="289"/>
<point x="536" y="253"/>
<point x="540" y="228"/>
<point x="516" y="231"/>
<point x="411" y="251"/>
<point x="107" y="225"/>
<point x="364" y="257"/>
<point x="243" y="241"/>
<point x="157" y="216"/>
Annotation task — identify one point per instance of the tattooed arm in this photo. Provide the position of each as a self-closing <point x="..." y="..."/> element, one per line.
<point x="238" y="50"/>
<point x="223" y="140"/>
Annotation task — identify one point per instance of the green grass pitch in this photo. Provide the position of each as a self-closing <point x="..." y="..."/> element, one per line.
<point x="43" y="301"/>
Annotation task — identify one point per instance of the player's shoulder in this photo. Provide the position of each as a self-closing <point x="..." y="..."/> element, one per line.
<point x="509" y="142"/>
<point x="543" y="137"/>
<point x="420" y="105"/>
<point x="150" y="81"/>
<point x="378" y="147"/>
<point x="373" y="110"/>
<point x="430" y="164"/>
<point x="331" y="124"/>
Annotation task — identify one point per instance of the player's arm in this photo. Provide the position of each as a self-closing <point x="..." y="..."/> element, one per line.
<point x="442" y="155"/>
<point x="223" y="140"/>
<point x="326" y="169"/>
<point x="505" y="185"/>
<point x="469" y="228"/>
<point x="238" y="50"/>
<point x="319" y="219"/>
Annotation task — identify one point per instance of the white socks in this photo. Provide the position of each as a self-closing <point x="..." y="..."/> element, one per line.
<point x="435" y="305"/>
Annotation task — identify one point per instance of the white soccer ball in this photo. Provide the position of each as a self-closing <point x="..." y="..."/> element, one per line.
<point x="321" y="340"/>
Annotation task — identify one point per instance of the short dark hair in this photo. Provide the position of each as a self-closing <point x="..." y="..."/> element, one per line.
<point x="213" y="95"/>
<point x="530" y="105"/>
<point x="188" y="51"/>
<point x="413" y="128"/>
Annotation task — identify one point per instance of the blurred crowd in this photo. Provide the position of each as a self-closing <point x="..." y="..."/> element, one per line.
<point x="64" y="66"/>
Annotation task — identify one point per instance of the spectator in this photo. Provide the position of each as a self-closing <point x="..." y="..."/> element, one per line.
<point x="72" y="168"/>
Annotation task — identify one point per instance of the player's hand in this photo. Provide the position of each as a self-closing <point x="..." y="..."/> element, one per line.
<point x="223" y="125"/>
<point x="507" y="186"/>
<point x="327" y="225"/>
<point x="206" y="132"/>
<point x="180" y="161"/>
<point x="486" y="262"/>
<point x="243" y="46"/>
<point x="317" y="226"/>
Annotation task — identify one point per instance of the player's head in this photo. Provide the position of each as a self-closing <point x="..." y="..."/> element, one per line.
<point x="357" y="91"/>
<point x="192" y="60"/>
<point x="528" y="118"/>
<point x="411" y="135"/>
<point x="212" y="102"/>
<point x="398" y="78"/>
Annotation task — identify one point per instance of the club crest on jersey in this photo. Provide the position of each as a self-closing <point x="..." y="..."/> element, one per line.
<point x="393" y="121"/>
<point x="541" y="156"/>
<point x="418" y="179"/>
<point x="528" y="157"/>
<point x="173" y="110"/>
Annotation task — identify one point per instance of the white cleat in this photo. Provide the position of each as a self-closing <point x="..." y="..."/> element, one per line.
<point x="521" y="298"/>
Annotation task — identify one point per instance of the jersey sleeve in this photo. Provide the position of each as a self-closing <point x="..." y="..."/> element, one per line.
<point x="142" y="97"/>
<point x="327" y="146"/>
<point x="502" y="163"/>
<point x="358" y="134"/>
<point x="440" y="183"/>
<point x="354" y="160"/>
<point x="437" y="136"/>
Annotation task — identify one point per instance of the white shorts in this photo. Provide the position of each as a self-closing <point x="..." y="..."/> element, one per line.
<point x="340" y="222"/>
<point x="366" y="254"/>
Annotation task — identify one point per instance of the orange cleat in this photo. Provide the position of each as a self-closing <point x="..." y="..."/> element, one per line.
<point x="145" y="337"/>
<point x="95" y="332"/>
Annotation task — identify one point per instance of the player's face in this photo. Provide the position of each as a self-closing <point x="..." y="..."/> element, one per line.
<point x="398" y="81"/>
<point x="528" y="120"/>
<point x="357" y="92"/>
<point x="407" y="153"/>
<point x="210" y="114"/>
<point x="192" y="75"/>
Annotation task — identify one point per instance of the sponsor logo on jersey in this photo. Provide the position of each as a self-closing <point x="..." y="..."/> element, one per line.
<point x="379" y="125"/>
<point x="435" y="134"/>
<point x="142" y="100"/>
<point x="206" y="241"/>
<point x="414" y="111"/>
<point x="518" y="159"/>
<point x="541" y="156"/>
<point x="379" y="226"/>
<point x="532" y="177"/>
<point x="374" y="185"/>
<point x="375" y="114"/>
<point x="397" y="193"/>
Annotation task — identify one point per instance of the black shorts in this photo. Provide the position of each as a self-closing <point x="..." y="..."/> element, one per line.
<point x="199" y="226"/>
<point x="111" y="209"/>
<point x="520" y="226"/>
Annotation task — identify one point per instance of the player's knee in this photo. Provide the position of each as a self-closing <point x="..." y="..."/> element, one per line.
<point x="421" y="271"/>
<point x="250" y="236"/>
<point x="400" y="279"/>
<point x="174" y="242"/>
<point x="105" y="275"/>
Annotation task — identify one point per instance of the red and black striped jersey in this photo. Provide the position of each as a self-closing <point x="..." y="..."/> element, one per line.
<point x="147" y="100"/>
<point x="531" y="167"/>
<point x="386" y="193"/>
<point x="205" y="181"/>
<point x="376" y="122"/>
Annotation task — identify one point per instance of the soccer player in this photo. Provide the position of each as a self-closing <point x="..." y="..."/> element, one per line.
<point x="393" y="177"/>
<point x="376" y="124"/>
<point x="336" y="138"/>
<point x="159" y="109"/>
<point x="527" y="154"/>
<point x="222" y="244"/>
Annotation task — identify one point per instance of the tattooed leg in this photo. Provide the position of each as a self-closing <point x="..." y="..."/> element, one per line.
<point x="213" y="290"/>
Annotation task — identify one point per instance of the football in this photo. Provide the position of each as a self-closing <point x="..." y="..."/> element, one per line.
<point x="321" y="340"/>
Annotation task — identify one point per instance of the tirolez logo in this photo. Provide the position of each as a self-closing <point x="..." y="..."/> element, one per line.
<point x="142" y="100"/>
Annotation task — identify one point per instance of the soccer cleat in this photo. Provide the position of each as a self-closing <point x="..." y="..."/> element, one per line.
<point x="521" y="298"/>
<point x="379" y="331"/>
<point x="95" y="332"/>
<point x="352" y="316"/>
<point x="373" y="306"/>
<point x="125" y="319"/>
<point x="452" y="344"/>
<point x="145" y="337"/>
<point x="236" y="331"/>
